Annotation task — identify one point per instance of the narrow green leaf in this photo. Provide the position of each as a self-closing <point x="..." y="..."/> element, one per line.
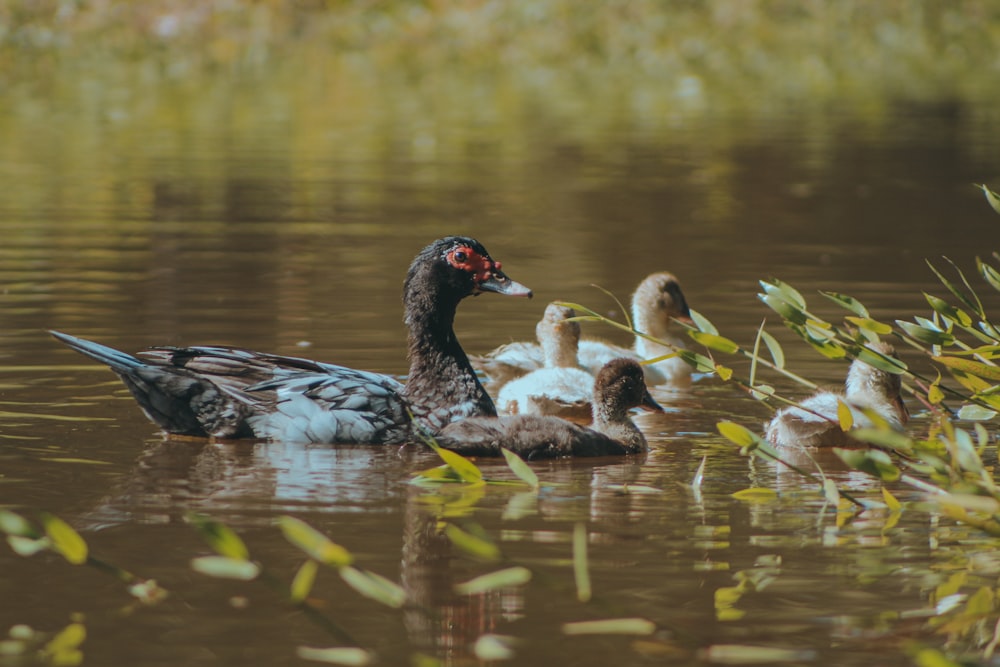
<point x="736" y="433"/>
<point x="736" y="654"/>
<point x="473" y="545"/>
<point x="303" y="582"/>
<point x="868" y="324"/>
<point x="777" y="354"/>
<point x="756" y="494"/>
<point x="581" y="567"/>
<point x="880" y="361"/>
<point x="65" y="540"/>
<point x="462" y="466"/>
<point x="890" y="500"/>
<point x="12" y="523"/>
<point x="219" y="536"/>
<point x="831" y="492"/>
<point x="314" y="543"/>
<point x="959" y="294"/>
<point x="871" y="461"/>
<point x="374" y="587"/>
<point x="28" y="546"/>
<point x="989" y="274"/>
<point x="979" y="369"/>
<point x="847" y="302"/>
<point x="699" y="362"/>
<point x="885" y="438"/>
<point x="350" y="656"/>
<point x="788" y="312"/>
<point x="506" y="578"/>
<point x="991" y="197"/>
<point x="223" y="567"/>
<point x="945" y="309"/>
<point x="492" y="648"/>
<point x="702" y="323"/>
<point x="976" y="413"/>
<point x="714" y="342"/>
<point x="520" y="468"/>
<point x="925" y="334"/>
<point x="611" y="626"/>
<point x="786" y="291"/>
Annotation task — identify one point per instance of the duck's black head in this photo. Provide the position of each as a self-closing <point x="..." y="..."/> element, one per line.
<point x="457" y="267"/>
<point x="621" y="385"/>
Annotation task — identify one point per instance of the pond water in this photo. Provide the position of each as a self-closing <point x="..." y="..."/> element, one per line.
<point x="249" y="235"/>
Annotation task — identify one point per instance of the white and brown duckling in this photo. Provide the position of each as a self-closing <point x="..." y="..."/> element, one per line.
<point x="619" y="387"/>
<point x="815" y="423"/>
<point x="656" y="302"/>
<point x="227" y="392"/>
<point x="561" y="388"/>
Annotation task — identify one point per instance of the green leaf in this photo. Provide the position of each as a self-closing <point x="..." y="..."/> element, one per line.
<point x="314" y="543"/>
<point x="303" y="582"/>
<point x="788" y="311"/>
<point x="28" y="546"/>
<point x="714" y="342"/>
<point x="831" y="492"/>
<point x="737" y="433"/>
<point x="989" y="274"/>
<point x="374" y="587"/>
<point x="868" y="324"/>
<point x="462" y="466"/>
<point x="581" y="567"/>
<point x="890" y="500"/>
<point x="736" y="654"/>
<point x="611" y="626"/>
<point x="976" y="413"/>
<point x="220" y="537"/>
<point x="928" y="335"/>
<point x="848" y="302"/>
<point x="65" y="540"/>
<point x="886" y="437"/>
<point x="473" y="545"/>
<point x="757" y="493"/>
<point x="872" y="461"/>
<point x="777" y="354"/>
<point x="63" y="650"/>
<point x="492" y="648"/>
<point x="880" y="361"/>
<point x="991" y="197"/>
<point x="699" y="362"/>
<point x="945" y="309"/>
<point x="12" y="523"/>
<point x="351" y="656"/>
<point x="520" y="468"/>
<point x="702" y="322"/>
<point x="785" y="291"/>
<point x="223" y="567"/>
<point x="979" y="369"/>
<point x="506" y="578"/>
<point x="844" y="416"/>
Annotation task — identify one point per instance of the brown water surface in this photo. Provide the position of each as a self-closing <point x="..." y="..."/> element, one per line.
<point x="251" y="237"/>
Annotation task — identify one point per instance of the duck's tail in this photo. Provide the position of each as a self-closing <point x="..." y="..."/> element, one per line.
<point x="119" y="361"/>
<point x="178" y="400"/>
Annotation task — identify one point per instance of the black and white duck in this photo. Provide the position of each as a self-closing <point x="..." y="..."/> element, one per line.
<point x="228" y="392"/>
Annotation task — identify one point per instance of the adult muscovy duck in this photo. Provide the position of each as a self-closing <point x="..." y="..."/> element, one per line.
<point x="227" y="392"/>
<point x="620" y="385"/>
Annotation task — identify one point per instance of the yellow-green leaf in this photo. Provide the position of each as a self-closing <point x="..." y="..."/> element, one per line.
<point x="890" y="500"/>
<point x="971" y="367"/>
<point x="736" y="433"/>
<point x="714" y="342"/>
<point x="702" y="322"/>
<point x="756" y="494"/>
<point x="350" y="656"/>
<point x="303" y="582"/>
<point x="847" y="302"/>
<point x="844" y="416"/>
<point x="220" y="537"/>
<point x="520" y="468"/>
<point x="774" y="347"/>
<point x="612" y="626"/>
<point x="223" y="567"/>
<point x="65" y="540"/>
<point x="473" y="545"/>
<point x="506" y="578"/>
<point x="581" y="567"/>
<point x="462" y="466"/>
<point x="724" y="372"/>
<point x="991" y="197"/>
<point x="869" y="324"/>
<point x="314" y="543"/>
<point x="374" y="587"/>
<point x="12" y="523"/>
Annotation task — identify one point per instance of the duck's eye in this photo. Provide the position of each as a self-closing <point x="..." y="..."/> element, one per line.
<point x="460" y="256"/>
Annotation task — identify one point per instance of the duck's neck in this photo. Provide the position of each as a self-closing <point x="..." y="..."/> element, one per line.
<point x="613" y="421"/>
<point x="442" y="385"/>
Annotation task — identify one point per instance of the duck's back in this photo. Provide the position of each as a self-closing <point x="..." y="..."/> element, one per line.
<point x="529" y="436"/>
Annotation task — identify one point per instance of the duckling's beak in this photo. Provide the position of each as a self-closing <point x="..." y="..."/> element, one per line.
<point x="649" y="403"/>
<point x="498" y="282"/>
<point x="904" y="414"/>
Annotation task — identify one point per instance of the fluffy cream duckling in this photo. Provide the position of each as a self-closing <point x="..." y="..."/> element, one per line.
<point x="561" y="388"/>
<point x="655" y="303"/>
<point x="815" y="423"/>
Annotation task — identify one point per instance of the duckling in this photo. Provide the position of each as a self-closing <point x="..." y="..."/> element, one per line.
<point x="619" y="386"/>
<point x="656" y="302"/>
<point x="561" y="388"/>
<point x="815" y="423"/>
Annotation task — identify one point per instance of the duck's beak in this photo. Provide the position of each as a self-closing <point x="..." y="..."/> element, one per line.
<point x="649" y="403"/>
<point x="498" y="282"/>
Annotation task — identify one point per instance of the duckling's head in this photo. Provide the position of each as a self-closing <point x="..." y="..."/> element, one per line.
<point x="621" y="385"/>
<point x="558" y="335"/>
<point x="656" y="301"/>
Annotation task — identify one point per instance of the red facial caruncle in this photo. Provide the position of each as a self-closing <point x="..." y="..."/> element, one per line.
<point x="481" y="267"/>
